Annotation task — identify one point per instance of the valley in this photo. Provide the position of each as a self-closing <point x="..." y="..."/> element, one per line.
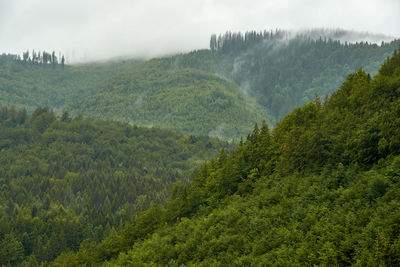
<point x="268" y="148"/>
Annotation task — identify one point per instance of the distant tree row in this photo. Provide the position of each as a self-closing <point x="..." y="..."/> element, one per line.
<point x="41" y="57"/>
<point x="233" y="42"/>
<point x="237" y="39"/>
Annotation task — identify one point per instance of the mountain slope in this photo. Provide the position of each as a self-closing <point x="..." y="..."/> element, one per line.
<point x="283" y="70"/>
<point x="277" y="70"/>
<point x="322" y="189"/>
<point x="189" y="100"/>
<point x="65" y="180"/>
<point x="30" y="85"/>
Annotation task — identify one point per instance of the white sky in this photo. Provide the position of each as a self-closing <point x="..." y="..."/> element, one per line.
<point x="98" y="29"/>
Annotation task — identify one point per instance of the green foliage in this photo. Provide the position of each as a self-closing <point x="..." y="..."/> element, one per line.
<point x="323" y="188"/>
<point x="66" y="180"/>
<point x="31" y="84"/>
<point x="391" y="65"/>
<point x="171" y="92"/>
<point x="221" y="92"/>
<point x="277" y="71"/>
<point x="283" y="71"/>
<point x="156" y="93"/>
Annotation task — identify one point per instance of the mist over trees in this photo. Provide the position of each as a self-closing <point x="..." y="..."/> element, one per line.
<point x="40" y="58"/>
<point x="283" y="70"/>
<point x="319" y="187"/>
<point x="278" y="69"/>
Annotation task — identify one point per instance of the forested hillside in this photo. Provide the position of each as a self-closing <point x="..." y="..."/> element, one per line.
<point x="242" y="79"/>
<point x="31" y="83"/>
<point x="323" y="188"/>
<point x="283" y="70"/>
<point x="276" y="70"/>
<point x="157" y="93"/>
<point x="65" y="180"/>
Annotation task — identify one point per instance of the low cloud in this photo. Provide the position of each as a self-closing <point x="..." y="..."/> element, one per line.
<point x="101" y="29"/>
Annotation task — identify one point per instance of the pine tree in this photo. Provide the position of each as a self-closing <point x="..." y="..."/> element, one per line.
<point x="62" y="61"/>
<point x="54" y="59"/>
<point x="213" y="42"/>
<point x="25" y="56"/>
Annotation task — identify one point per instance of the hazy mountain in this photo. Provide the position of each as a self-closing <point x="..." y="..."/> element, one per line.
<point x="283" y="70"/>
<point x="321" y="189"/>
<point x="157" y="93"/>
<point x="244" y="78"/>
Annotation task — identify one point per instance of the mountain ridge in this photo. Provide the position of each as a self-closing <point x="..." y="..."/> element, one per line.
<point x="321" y="188"/>
<point x="277" y="77"/>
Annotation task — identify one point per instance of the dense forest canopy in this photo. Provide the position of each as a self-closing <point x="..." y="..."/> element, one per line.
<point x="64" y="180"/>
<point x="156" y="93"/>
<point x="222" y="91"/>
<point x="321" y="188"/>
<point x="42" y="58"/>
<point x="30" y="85"/>
<point x="283" y="70"/>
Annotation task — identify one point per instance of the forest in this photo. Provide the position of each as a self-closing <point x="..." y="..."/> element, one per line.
<point x="183" y="99"/>
<point x="64" y="180"/>
<point x="242" y="79"/>
<point x="41" y="58"/>
<point x="29" y="84"/>
<point x="268" y="149"/>
<point x="311" y="191"/>
<point x="283" y="70"/>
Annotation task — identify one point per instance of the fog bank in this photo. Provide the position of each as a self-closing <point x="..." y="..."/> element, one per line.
<point x="100" y="29"/>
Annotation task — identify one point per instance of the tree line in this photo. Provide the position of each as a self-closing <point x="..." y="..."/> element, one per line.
<point x="40" y="58"/>
<point x="283" y="70"/>
<point x="320" y="189"/>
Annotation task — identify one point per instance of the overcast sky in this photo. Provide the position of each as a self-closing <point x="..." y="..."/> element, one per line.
<point x="98" y="29"/>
